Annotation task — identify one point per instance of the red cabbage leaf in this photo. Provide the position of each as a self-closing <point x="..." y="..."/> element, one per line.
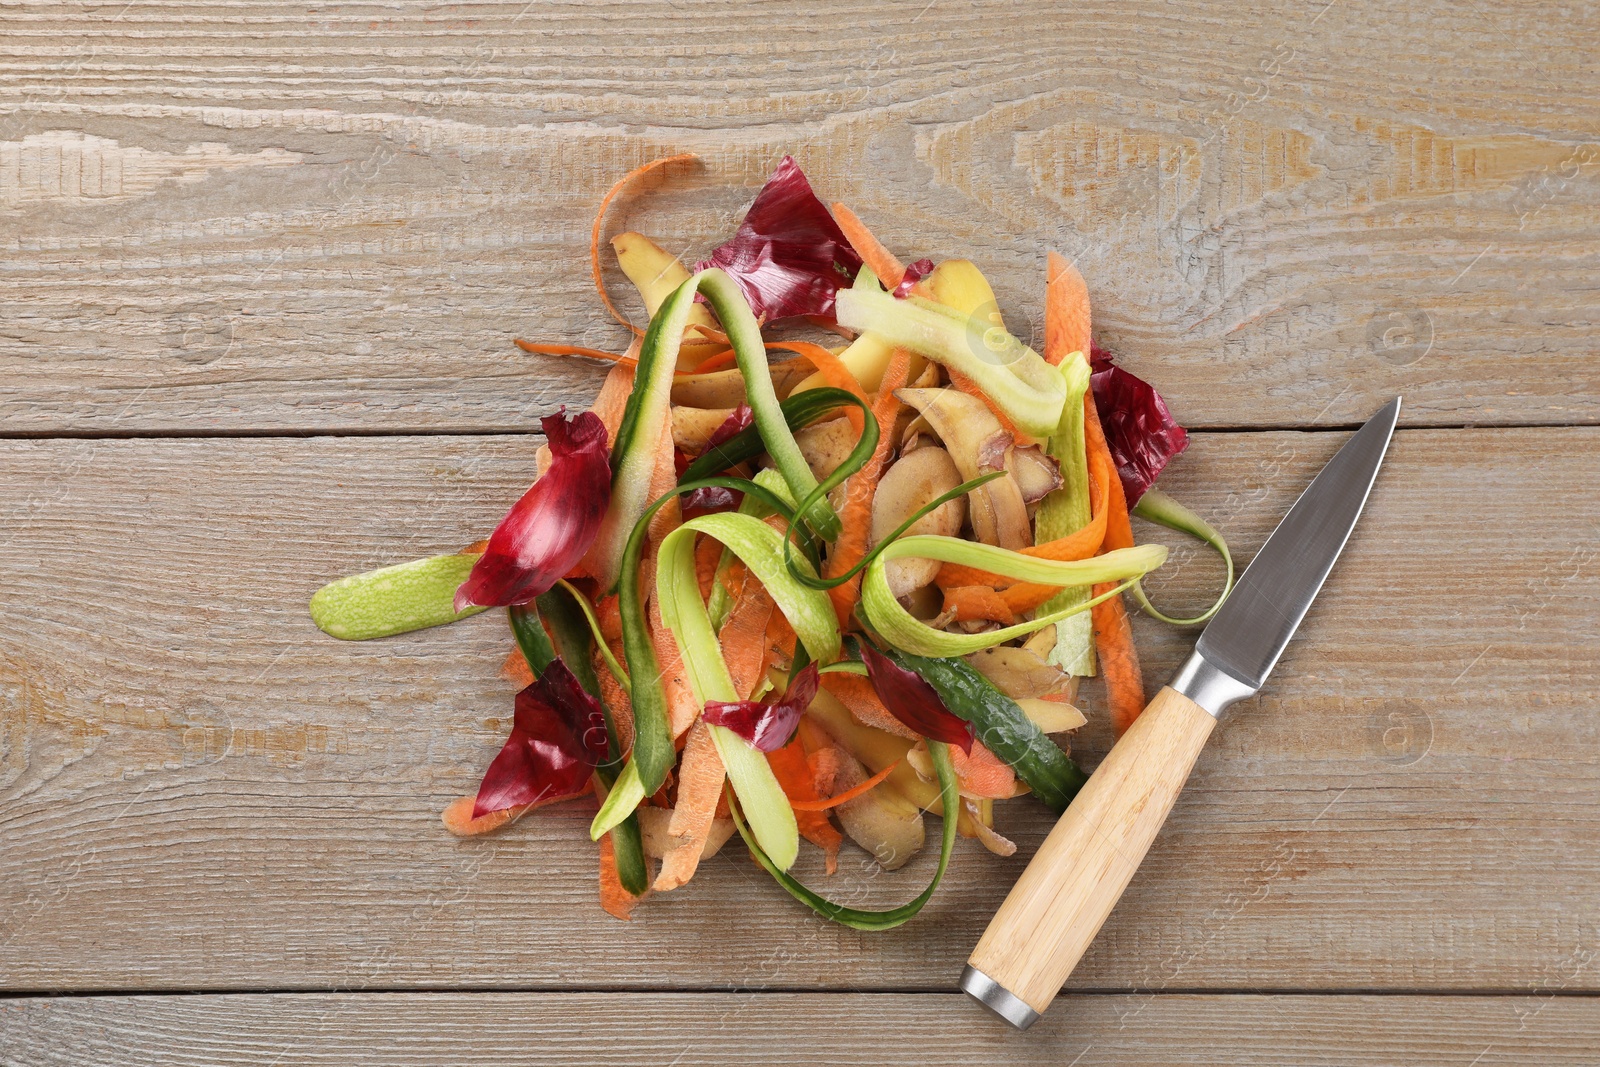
<point x="1140" y="431"/>
<point x="767" y="727"/>
<point x="788" y="257"/>
<point x="715" y="497"/>
<point x="547" y="532"/>
<point x="914" y="702"/>
<point x="558" y="737"/>
<point x="914" y="274"/>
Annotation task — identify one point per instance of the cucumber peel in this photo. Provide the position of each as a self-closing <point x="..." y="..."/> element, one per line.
<point x="861" y="918"/>
<point x="799" y="410"/>
<point x="653" y="753"/>
<point x="568" y="637"/>
<point x="883" y="612"/>
<point x="1011" y="374"/>
<point x="1003" y="727"/>
<point x="1067" y="510"/>
<point x="394" y="600"/>
<point x="647" y="415"/>
<point x="1157" y="507"/>
<point x="772" y="820"/>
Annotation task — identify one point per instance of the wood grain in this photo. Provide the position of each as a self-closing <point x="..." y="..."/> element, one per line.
<point x="1081" y="869"/>
<point x="200" y="791"/>
<point x="823" y="1029"/>
<point x="241" y="217"/>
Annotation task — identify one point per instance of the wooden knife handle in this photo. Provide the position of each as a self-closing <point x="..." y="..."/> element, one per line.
<point x="1062" y="899"/>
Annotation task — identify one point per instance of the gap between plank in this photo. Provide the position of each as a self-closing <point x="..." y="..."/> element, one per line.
<point x="272" y="433"/>
<point x="1091" y="991"/>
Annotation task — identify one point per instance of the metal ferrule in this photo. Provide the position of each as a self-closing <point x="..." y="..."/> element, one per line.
<point x="997" y="998"/>
<point x="1209" y="685"/>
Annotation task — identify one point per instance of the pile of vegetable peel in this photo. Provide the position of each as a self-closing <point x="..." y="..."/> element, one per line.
<point x="806" y="591"/>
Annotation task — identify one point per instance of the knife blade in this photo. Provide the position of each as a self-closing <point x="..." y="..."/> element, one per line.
<point x="1075" y="879"/>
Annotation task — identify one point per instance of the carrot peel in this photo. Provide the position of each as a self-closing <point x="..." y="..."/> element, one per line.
<point x="599" y="224"/>
<point x="855" y="519"/>
<point x="846" y="796"/>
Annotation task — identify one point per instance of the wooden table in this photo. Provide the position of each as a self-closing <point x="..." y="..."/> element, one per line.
<point x="262" y="266"/>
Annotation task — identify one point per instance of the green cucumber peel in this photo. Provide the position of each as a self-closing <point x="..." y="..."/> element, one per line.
<point x="759" y="546"/>
<point x="653" y="753"/>
<point x="1157" y="507"/>
<point x="645" y="418"/>
<point x="647" y="414"/>
<point x="1014" y="376"/>
<point x="568" y="637"/>
<point x="899" y="531"/>
<point x="771" y="817"/>
<point x="532" y="640"/>
<point x="799" y="410"/>
<point x="750" y="355"/>
<point x="772" y="482"/>
<point x="627" y="793"/>
<point x="857" y="459"/>
<point x="394" y="600"/>
<point x="908" y="633"/>
<point x="1003" y="727"/>
<point x="720" y="604"/>
<point x="801" y="660"/>
<point x="561" y="610"/>
<point x="882" y="612"/>
<point x="569" y="619"/>
<point x="861" y="918"/>
<point x="592" y="622"/>
<point x="772" y="820"/>
<point x="1065" y="511"/>
<point x="627" y="842"/>
<point x="844" y="666"/>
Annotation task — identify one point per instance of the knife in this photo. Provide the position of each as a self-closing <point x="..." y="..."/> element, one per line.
<point x="1072" y="883"/>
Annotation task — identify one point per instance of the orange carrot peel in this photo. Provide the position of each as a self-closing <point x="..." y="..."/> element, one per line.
<point x="833" y="371"/>
<point x="849" y="794"/>
<point x="879" y="260"/>
<point x="794" y="775"/>
<point x="855" y="518"/>
<point x="599" y="225"/>
<point x="1113" y="634"/>
<point x="1020" y="598"/>
<point x="544" y="349"/>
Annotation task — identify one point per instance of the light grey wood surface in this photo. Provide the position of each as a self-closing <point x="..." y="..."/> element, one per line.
<point x="203" y="791"/>
<point x="377" y="1030"/>
<point x="227" y="217"/>
<point x="313" y="232"/>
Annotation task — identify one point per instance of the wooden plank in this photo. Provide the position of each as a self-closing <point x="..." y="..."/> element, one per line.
<point x="776" y="1028"/>
<point x="239" y="219"/>
<point x="198" y="790"/>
